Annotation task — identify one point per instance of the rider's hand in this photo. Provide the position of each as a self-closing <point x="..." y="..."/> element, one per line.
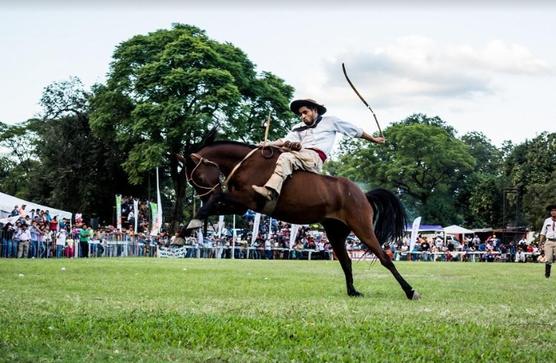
<point x="379" y="140"/>
<point x="292" y="145"/>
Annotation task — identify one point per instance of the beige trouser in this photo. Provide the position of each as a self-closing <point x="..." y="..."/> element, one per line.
<point x="23" y="249"/>
<point x="304" y="159"/>
<point x="549" y="251"/>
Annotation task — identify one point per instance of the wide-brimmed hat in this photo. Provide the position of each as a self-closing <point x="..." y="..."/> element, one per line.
<point x="550" y="207"/>
<point x="297" y="104"/>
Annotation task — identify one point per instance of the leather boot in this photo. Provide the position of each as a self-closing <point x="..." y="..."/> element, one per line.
<point x="264" y="191"/>
<point x="547" y="268"/>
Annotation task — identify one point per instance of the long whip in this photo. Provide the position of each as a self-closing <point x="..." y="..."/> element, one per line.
<point x="361" y="97"/>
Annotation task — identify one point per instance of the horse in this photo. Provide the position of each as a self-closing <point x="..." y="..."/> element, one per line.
<point x="222" y="173"/>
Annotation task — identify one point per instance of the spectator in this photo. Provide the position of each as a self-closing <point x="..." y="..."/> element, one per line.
<point x="23" y="236"/>
<point x="85" y="235"/>
<point x="34" y="232"/>
<point x="8" y="231"/>
<point x="69" y="250"/>
<point x="61" y="237"/>
<point x="53" y="225"/>
<point x="268" y="249"/>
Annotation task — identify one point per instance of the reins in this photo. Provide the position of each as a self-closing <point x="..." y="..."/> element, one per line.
<point x="222" y="184"/>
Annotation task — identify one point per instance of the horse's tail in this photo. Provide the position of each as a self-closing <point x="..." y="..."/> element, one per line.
<point x="389" y="215"/>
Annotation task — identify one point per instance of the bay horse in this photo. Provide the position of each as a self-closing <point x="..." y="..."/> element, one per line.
<point x="222" y="176"/>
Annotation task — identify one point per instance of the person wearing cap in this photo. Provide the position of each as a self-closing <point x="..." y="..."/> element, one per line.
<point x="23" y="235"/>
<point x="310" y="143"/>
<point x="548" y="238"/>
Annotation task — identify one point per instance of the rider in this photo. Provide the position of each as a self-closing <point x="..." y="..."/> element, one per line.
<point x="310" y="142"/>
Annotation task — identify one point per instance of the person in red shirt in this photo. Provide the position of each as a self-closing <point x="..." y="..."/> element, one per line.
<point x="54" y="224"/>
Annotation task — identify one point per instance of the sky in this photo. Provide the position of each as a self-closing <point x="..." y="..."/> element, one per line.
<point x="480" y="66"/>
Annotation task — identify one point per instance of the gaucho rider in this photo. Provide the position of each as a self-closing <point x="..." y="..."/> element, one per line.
<point x="310" y="142"/>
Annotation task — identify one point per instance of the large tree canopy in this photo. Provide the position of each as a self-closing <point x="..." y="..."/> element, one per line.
<point x="529" y="169"/>
<point x="167" y="88"/>
<point x="422" y="158"/>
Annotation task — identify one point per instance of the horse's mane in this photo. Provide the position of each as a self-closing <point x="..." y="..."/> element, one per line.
<point x="209" y="140"/>
<point x="230" y="142"/>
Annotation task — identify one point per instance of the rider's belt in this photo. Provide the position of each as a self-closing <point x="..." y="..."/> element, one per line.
<point x="321" y="153"/>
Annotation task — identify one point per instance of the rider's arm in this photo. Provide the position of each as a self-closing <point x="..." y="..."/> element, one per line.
<point x="371" y="138"/>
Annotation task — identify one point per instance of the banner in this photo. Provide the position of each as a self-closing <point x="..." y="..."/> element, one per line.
<point x="135" y="214"/>
<point x="414" y="233"/>
<point x="293" y="234"/>
<point x="200" y="239"/>
<point x="157" y="218"/>
<point x="220" y="225"/>
<point x="154" y="213"/>
<point x="256" y="222"/>
<point x="119" y="212"/>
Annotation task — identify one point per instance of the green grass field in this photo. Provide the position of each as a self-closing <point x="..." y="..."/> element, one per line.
<point x="152" y="310"/>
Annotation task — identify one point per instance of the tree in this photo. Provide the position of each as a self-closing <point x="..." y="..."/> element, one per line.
<point x="482" y="190"/>
<point x="57" y="161"/>
<point x="536" y="199"/>
<point x="529" y="168"/>
<point x="79" y="171"/>
<point x="421" y="158"/>
<point x="168" y="88"/>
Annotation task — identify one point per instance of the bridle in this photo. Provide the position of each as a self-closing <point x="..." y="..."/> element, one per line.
<point x="192" y="181"/>
<point x="222" y="179"/>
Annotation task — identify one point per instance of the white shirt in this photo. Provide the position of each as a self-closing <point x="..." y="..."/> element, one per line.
<point x="549" y="228"/>
<point x="23" y="235"/>
<point x="61" y="239"/>
<point x="323" y="135"/>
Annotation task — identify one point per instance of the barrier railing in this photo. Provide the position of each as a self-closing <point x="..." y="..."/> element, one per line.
<point x="123" y="246"/>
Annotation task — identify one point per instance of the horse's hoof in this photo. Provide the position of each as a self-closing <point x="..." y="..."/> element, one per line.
<point x="416" y="296"/>
<point x="195" y="223"/>
<point x="355" y="293"/>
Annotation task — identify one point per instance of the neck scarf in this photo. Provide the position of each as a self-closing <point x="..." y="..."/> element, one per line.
<point x="306" y="127"/>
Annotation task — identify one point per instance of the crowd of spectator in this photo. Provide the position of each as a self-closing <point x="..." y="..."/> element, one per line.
<point x="36" y="234"/>
<point x="471" y="248"/>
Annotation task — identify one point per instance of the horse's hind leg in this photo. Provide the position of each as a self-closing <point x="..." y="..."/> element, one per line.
<point x="337" y="232"/>
<point x="365" y="233"/>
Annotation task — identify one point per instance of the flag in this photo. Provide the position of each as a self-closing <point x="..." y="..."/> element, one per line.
<point x="157" y="218"/>
<point x="256" y="222"/>
<point x="293" y="234"/>
<point x="200" y="238"/>
<point x="220" y="225"/>
<point x="414" y="233"/>
<point x="135" y="214"/>
<point x="119" y="212"/>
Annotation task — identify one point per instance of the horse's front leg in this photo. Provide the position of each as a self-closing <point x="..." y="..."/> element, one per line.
<point x="218" y="204"/>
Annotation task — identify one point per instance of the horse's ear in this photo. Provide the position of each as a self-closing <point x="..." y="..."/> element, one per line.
<point x="181" y="159"/>
<point x="210" y="136"/>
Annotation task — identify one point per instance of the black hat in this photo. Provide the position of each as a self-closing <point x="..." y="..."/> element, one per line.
<point x="297" y="104"/>
<point x="550" y="207"/>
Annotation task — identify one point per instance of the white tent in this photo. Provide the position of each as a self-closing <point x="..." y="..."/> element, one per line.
<point x="453" y="229"/>
<point x="7" y="203"/>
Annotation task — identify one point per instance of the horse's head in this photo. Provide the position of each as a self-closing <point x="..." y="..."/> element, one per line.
<point x="203" y="174"/>
<point x="210" y="167"/>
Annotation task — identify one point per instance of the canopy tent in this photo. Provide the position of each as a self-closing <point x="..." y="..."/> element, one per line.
<point x="7" y="203"/>
<point x="453" y="229"/>
<point x="426" y="228"/>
